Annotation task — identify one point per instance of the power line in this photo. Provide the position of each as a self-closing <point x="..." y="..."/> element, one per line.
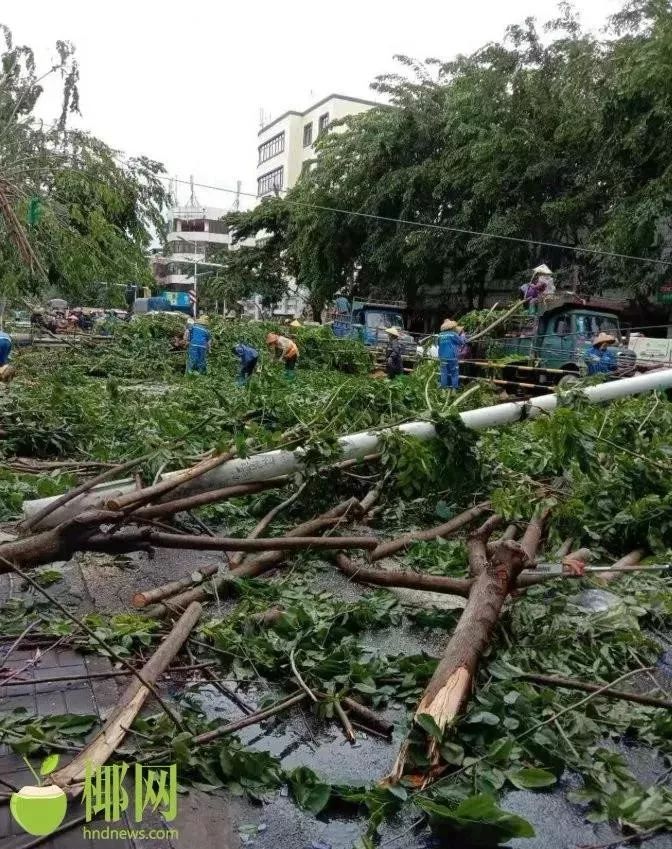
<point x="444" y="228"/>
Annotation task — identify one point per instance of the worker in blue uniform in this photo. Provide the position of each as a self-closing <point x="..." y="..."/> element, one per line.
<point x="451" y="340"/>
<point x="249" y="357"/>
<point x="600" y="358"/>
<point x="199" y="342"/>
<point x="5" y="347"/>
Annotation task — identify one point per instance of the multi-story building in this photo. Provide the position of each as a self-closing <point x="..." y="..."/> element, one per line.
<point x="194" y="235"/>
<point x="287" y="142"/>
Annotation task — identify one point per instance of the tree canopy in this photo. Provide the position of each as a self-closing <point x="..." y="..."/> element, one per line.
<point x="552" y="135"/>
<point x="73" y="212"/>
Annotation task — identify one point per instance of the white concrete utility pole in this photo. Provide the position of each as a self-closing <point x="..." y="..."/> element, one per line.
<point x="273" y="464"/>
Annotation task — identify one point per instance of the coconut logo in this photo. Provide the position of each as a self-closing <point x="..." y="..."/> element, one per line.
<point x="39" y="809"/>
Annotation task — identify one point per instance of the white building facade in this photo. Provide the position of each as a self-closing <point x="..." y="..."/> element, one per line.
<point x="287" y="142"/>
<point x="194" y="235"/>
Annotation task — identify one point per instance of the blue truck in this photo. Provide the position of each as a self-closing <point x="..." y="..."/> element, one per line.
<point x="367" y="320"/>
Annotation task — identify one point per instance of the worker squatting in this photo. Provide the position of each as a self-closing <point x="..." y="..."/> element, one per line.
<point x="199" y="343"/>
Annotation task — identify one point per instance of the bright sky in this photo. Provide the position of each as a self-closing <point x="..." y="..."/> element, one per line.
<point x="184" y="83"/>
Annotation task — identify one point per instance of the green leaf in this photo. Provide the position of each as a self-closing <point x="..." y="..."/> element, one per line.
<point x="529" y="778"/>
<point x="429" y="726"/>
<point x="49" y="764"/>
<point x="452" y="753"/>
<point x="477" y="820"/>
<point x="310" y="793"/>
<point x="483" y="717"/>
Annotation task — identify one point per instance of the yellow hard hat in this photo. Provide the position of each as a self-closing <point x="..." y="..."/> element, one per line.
<point x="295" y="323"/>
<point x="604" y="337"/>
<point x="449" y="324"/>
<point x="203" y="319"/>
<point x="393" y="331"/>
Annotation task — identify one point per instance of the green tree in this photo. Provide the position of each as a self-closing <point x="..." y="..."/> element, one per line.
<point x="74" y="212"/>
<point x="560" y="138"/>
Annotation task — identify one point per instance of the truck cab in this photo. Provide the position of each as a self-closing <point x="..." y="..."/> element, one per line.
<point x="550" y="346"/>
<point x="367" y="321"/>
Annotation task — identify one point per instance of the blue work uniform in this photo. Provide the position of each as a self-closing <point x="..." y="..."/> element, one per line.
<point x="197" y="354"/>
<point x="600" y="360"/>
<point x="450" y="343"/>
<point x="248" y="357"/>
<point x="5" y="347"/>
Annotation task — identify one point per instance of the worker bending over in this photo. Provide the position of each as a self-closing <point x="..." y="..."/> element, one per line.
<point x="599" y="358"/>
<point x="249" y="357"/>
<point x="394" y="361"/>
<point x="451" y="341"/>
<point x="285" y="350"/>
<point x="5" y="347"/>
<point x="7" y="372"/>
<point x="199" y="341"/>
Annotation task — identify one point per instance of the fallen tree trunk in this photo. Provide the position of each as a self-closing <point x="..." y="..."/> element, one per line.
<point x="385" y="549"/>
<point x="97" y="752"/>
<point x="64" y="499"/>
<point x="451" y="683"/>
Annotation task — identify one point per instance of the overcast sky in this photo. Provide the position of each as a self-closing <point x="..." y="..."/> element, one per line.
<point x="184" y="83"/>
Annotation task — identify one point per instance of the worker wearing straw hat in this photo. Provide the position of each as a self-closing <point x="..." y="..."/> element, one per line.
<point x="599" y="358"/>
<point x="451" y="340"/>
<point x="394" y="361"/>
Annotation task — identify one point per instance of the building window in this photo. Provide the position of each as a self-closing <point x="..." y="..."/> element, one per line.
<point x="192" y="225"/>
<point x="323" y="124"/>
<point x="308" y="135"/>
<point x="217" y="226"/>
<point x="272" y="147"/>
<point x="270" y="181"/>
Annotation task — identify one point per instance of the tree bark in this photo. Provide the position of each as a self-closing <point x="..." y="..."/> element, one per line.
<point x="97" y="752"/>
<point x="587" y="687"/>
<point x="386" y="549"/>
<point x="237" y="558"/>
<point x="202" y="499"/>
<point x="620" y="566"/>
<point x="399" y="578"/>
<point x="147" y="597"/>
<point x="107" y="475"/>
<point x="259" y="565"/>
<point x="150" y="493"/>
<point x="450" y="685"/>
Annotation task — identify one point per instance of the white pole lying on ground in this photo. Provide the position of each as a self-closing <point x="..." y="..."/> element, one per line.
<point x="272" y="464"/>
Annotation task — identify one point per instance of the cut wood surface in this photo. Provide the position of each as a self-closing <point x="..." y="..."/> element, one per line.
<point x="390" y="547"/>
<point x="104" y="744"/>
